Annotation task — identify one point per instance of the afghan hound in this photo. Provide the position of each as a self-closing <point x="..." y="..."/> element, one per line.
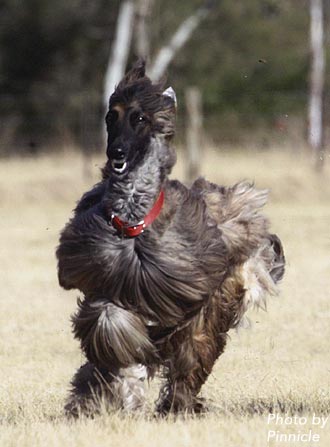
<point x="165" y="270"/>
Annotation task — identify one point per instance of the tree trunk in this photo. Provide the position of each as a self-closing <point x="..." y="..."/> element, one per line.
<point x="120" y="49"/>
<point x="142" y="42"/>
<point x="315" y="134"/>
<point x="194" y="132"/>
<point x="88" y="125"/>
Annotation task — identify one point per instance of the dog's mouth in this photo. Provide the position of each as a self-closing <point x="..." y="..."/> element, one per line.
<point x="119" y="166"/>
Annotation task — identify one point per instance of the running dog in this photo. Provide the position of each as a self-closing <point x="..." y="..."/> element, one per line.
<point x="165" y="270"/>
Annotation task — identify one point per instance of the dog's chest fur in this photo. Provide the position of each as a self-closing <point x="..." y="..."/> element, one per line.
<point x="160" y="274"/>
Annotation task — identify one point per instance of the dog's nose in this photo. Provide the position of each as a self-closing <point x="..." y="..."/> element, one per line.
<point x="118" y="154"/>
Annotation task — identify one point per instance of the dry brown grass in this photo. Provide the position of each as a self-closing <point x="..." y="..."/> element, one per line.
<point x="281" y="364"/>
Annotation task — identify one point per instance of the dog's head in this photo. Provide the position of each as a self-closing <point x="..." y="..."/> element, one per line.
<point x="140" y="113"/>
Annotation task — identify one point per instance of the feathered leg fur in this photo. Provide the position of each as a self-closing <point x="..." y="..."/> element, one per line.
<point x="167" y="297"/>
<point x="90" y="387"/>
<point x="194" y="350"/>
<point x="115" y="342"/>
<point x="93" y="388"/>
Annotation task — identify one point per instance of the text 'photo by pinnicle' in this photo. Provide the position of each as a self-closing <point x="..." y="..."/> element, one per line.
<point x="165" y="270"/>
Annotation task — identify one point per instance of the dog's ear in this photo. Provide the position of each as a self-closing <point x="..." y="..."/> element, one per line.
<point x="137" y="71"/>
<point x="167" y="114"/>
<point x="169" y="97"/>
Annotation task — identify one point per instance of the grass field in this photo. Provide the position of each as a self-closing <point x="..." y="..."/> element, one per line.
<point x="280" y="364"/>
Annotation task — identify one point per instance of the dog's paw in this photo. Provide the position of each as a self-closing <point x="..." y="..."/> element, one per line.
<point x="188" y="406"/>
<point x="77" y="406"/>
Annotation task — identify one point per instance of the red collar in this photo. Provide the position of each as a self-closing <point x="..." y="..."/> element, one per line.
<point x="134" y="230"/>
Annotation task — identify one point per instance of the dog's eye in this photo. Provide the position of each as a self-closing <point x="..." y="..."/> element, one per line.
<point x="137" y="118"/>
<point x="111" y="118"/>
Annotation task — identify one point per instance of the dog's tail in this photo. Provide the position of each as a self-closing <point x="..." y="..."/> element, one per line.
<point x="111" y="336"/>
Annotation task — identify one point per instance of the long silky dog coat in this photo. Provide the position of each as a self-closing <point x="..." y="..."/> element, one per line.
<point x="165" y="271"/>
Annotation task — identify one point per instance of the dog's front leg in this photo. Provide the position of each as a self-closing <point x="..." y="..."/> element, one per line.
<point x="116" y="344"/>
<point x="94" y="389"/>
<point x="90" y="387"/>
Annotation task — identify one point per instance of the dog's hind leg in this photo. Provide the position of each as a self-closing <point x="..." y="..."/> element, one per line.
<point x="193" y="352"/>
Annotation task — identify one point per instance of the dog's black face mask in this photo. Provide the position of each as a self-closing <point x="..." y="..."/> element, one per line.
<point x="129" y="131"/>
<point x="138" y="112"/>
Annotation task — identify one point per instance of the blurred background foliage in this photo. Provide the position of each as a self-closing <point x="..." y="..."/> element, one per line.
<point x="249" y="58"/>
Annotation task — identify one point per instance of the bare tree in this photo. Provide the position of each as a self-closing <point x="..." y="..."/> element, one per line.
<point x="315" y="134"/>
<point x="177" y="41"/>
<point x="120" y="48"/>
<point x="142" y="42"/>
<point x="193" y="99"/>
